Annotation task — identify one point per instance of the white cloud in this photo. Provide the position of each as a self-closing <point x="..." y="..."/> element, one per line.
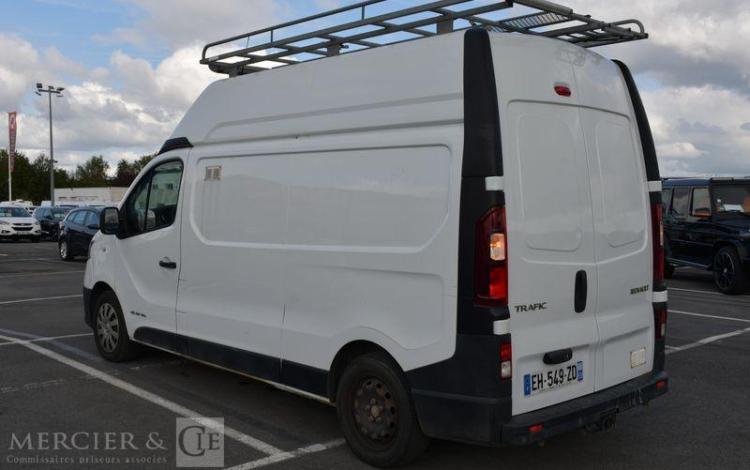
<point x="699" y="129"/>
<point x="180" y="23"/>
<point x="696" y="65"/>
<point x="123" y="111"/>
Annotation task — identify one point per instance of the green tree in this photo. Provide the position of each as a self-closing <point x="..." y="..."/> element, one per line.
<point x="127" y="171"/>
<point x="93" y="172"/>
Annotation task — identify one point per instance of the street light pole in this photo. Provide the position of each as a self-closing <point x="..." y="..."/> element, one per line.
<point x="50" y="90"/>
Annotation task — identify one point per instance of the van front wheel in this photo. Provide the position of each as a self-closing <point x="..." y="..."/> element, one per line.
<point x="110" y="333"/>
<point x="376" y="413"/>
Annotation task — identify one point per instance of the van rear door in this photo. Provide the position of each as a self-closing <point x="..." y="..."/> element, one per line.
<point x="622" y="225"/>
<point x="551" y="255"/>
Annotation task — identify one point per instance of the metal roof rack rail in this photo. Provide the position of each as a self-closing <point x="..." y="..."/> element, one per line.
<point x="369" y="24"/>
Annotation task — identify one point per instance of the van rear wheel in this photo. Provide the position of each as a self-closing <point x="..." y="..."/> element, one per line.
<point x="376" y="413"/>
<point x="110" y="332"/>
<point x="729" y="274"/>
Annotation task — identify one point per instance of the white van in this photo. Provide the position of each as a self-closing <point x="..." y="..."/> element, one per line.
<point x="457" y="237"/>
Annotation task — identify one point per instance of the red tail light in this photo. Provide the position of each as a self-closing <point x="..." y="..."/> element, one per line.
<point x="491" y="259"/>
<point x="657" y="225"/>
<point x="660" y="322"/>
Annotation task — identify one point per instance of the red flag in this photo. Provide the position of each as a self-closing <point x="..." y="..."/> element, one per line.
<point x="12" y="140"/>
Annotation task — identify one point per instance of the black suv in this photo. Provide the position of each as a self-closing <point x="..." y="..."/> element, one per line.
<point x="707" y="226"/>
<point x="49" y="218"/>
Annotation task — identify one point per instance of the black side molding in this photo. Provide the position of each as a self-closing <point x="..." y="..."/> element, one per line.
<point x="482" y="157"/>
<point x="174" y="144"/>
<point x="481" y="114"/>
<point x="274" y="369"/>
<point x="644" y="129"/>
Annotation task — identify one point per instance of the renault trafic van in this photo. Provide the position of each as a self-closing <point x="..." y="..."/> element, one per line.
<point x="457" y="237"/>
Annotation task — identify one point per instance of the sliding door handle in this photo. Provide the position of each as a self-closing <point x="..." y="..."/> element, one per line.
<point x="166" y="263"/>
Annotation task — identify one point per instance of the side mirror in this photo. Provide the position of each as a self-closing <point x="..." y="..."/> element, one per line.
<point x="109" y="221"/>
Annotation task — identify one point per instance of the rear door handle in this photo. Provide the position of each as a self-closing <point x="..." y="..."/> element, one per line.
<point x="558" y="357"/>
<point x="581" y="291"/>
<point x="166" y="263"/>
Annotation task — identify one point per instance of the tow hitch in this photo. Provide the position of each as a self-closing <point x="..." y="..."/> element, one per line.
<point x="606" y="421"/>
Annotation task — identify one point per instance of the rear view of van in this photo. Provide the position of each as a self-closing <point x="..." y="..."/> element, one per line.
<point x="458" y="237"/>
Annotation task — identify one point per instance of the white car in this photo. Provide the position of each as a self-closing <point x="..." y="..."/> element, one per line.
<point x="456" y="237"/>
<point x="17" y="224"/>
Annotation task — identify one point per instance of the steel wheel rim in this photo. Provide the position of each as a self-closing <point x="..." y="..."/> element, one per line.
<point x="724" y="269"/>
<point x="64" y="249"/>
<point x="375" y="411"/>
<point x="107" y="327"/>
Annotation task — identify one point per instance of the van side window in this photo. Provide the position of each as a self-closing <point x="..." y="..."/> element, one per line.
<point x="681" y="202"/>
<point x="153" y="203"/>
<point x="701" y="203"/>
<point x="135" y="207"/>
<point x="162" y="199"/>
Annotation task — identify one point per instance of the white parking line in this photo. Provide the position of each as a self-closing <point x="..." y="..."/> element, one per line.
<point x="695" y="290"/>
<point x="151" y="397"/>
<point x="705" y="341"/>
<point x="703" y="315"/>
<point x="44" y="339"/>
<point x="39" y="299"/>
<point x="52" y="273"/>
<point x="288" y="455"/>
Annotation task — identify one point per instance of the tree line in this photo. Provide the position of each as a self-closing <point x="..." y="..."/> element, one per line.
<point x="31" y="177"/>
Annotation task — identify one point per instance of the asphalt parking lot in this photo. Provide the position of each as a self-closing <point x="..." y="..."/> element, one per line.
<point x="52" y="380"/>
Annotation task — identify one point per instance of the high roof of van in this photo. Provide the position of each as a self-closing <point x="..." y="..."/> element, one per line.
<point x="395" y="86"/>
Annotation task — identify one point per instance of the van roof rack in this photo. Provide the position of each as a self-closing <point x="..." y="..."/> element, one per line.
<point x="369" y="24"/>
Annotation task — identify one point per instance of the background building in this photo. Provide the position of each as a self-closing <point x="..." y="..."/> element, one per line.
<point x="112" y="194"/>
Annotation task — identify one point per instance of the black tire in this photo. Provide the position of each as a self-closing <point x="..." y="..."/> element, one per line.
<point x="668" y="270"/>
<point x="110" y="331"/>
<point x="63" y="249"/>
<point x="730" y="276"/>
<point x="35" y="239"/>
<point x="376" y="413"/>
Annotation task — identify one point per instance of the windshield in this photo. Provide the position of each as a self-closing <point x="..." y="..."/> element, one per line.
<point x="733" y="198"/>
<point x="59" y="214"/>
<point x="13" y="212"/>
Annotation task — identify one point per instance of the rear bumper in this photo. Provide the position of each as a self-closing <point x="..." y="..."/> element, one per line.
<point x="588" y="410"/>
<point x="486" y="421"/>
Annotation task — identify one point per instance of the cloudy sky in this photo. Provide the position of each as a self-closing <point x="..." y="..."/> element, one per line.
<point x="130" y="68"/>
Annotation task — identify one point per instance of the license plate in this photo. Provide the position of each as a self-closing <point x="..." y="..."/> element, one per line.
<point x="551" y="379"/>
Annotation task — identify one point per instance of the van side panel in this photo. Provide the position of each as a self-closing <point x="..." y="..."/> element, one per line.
<point x="335" y="216"/>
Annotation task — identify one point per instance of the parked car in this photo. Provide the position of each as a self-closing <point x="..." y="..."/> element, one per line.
<point x="707" y="226"/>
<point x="383" y="262"/>
<point x="76" y="231"/>
<point x="49" y="219"/>
<point x="17" y="224"/>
